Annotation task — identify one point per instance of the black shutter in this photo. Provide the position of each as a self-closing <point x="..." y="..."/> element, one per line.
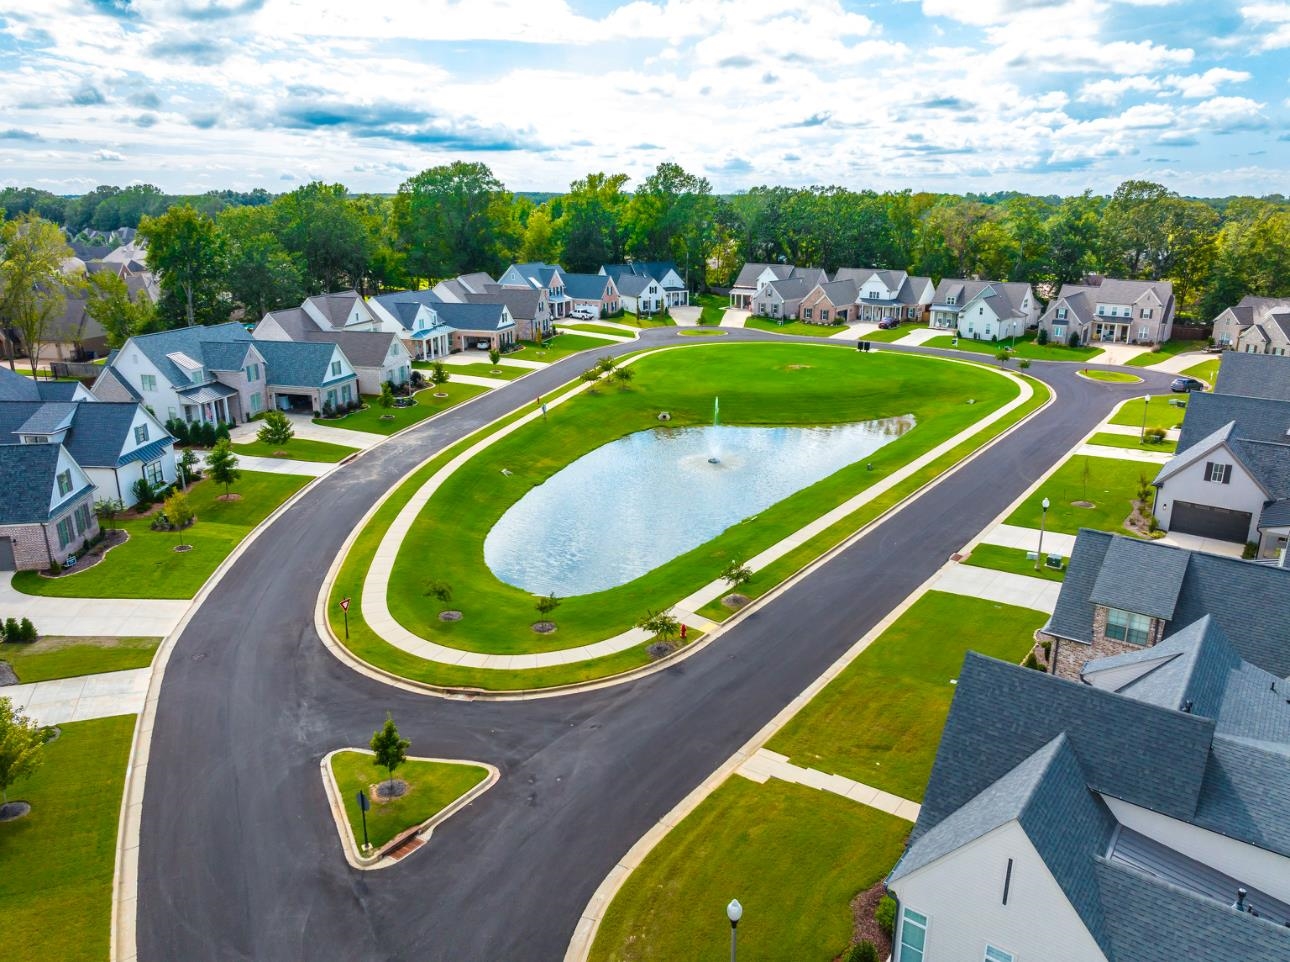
<point x="1227" y="473"/>
<point x="1209" y="470"/>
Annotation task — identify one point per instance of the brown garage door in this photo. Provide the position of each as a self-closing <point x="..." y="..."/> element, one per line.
<point x="1208" y="522"/>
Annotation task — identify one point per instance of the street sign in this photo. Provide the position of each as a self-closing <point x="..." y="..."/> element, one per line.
<point x="364" y="803"/>
<point x="344" y="604"/>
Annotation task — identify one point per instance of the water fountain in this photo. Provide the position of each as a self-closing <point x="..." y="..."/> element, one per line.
<point x="716" y="422"/>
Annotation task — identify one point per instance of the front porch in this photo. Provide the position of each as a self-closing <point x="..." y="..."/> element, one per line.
<point x="211" y="403"/>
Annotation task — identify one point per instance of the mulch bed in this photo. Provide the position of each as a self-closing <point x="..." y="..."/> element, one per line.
<point x="229" y="497"/>
<point x="544" y="627"/>
<point x="1139" y="522"/>
<point x="182" y="548"/>
<point x="13" y="810"/>
<point x="117" y="536"/>
<point x="735" y="601"/>
<point x="862" y="907"/>
<point x="450" y="616"/>
<point x="387" y="791"/>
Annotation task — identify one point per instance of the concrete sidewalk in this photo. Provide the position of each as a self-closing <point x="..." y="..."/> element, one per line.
<point x="314" y="469"/>
<point x="616" y="338"/>
<point x="922" y="336"/>
<point x="1001" y="586"/>
<point x="1027" y="539"/>
<point x="1124" y="454"/>
<point x="765" y="764"/>
<point x="856" y="332"/>
<point x="304" y="427"/>
<point x="79" y="699"/>
<point x="488" y="382"/>
<point x="116" y="617"/>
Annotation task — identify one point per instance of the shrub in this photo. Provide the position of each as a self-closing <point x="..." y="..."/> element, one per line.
<point x="329" y="409"/>
<point x="1042" y="337"/>
<point x="1024" y="363"/>
<point x="179" y="430"/>
<point x="418" y="380"/>
<point x="26" y="631"/>
<point x="546" y="604"/>
<point x="606" y="364"/>
<point x="440" y="590"/>
<point x="884" y="914"/>
<point x="191" y="465"/>
<point x="1073" y="340"/>
<point x="863" y="951"/>
<point x="736" y="573"/>
<point x="12" y="633"/>
<point x="439" y="374"/>
<point x="1155" y="436"/>
<point x="221" y="432"/>
<point x="1031" y="662"/>
<point x="1251" y="550"/>
<point x="143" y="492"/>
<point x="209" y="435"/>
<point x="494" y="355"/>
<point x="277" y="429"/>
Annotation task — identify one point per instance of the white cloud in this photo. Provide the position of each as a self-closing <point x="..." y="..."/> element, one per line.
<point x="110" y="156"/>
<point x="1205" y="84"/>
<point x="1109" y="91"/>
<point x="1269" y="24"/>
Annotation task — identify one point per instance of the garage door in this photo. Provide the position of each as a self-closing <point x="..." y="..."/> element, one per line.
<point x="6" y="555"/>
<point x="1201" y="519"/>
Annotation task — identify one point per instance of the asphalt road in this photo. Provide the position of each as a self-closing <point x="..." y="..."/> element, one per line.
<point x="239" y="857"/>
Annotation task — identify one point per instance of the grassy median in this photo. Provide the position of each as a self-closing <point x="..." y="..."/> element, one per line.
<point x="71" y="657"/>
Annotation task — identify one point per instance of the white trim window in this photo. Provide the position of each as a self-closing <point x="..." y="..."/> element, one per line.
<point x="335" y="368"/>
<point x="1127" y="626"/>
<point x="152" y="471"/>
<point x="65" y="535"/>
<point x="140" y="433"/>
<point x="1061" y="313"/>
<point x="64" y="480"/>
<point x="913" y="936"/>
<point x="1217" y="473"/>
<point x="147" y="382"/>
<point x="993" y="954"/>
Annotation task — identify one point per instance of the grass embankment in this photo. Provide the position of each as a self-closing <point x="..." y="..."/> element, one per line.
<point x="68" y="657"/>
<point x="1111" y="488"/>
<point x="800" y="328"/>
<point x="1110" y="377"/>
<point x="56" y="863"/>
<point x="880" y="720"/>
<point x="1132" y="442"/>
<point x="560" y="346"/>
<point x="502" y="372"/>
<point x="701" y="332"/>
<point x="890" y="334"/>
<point x="1014" y="561"/>
<point x="432" y="787"/>
<point x="713" y="308"/>
<point x="1021" y="347"/>
<point x="1164" y="352"/>
<point x="793" y="856"/>
<point x="297" y="449"/>
<point x="148" y="566"/>
<point x="632" y="320"/>
<point x="1207" y="371"/>
<point x="1162" y="411"/>
<point x="597" y="329"/>
<point x="757" y="384"/>
<point x="378" y="420"/>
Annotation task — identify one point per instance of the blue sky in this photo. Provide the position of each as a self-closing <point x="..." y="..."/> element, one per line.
<point x="1046" y="96"/>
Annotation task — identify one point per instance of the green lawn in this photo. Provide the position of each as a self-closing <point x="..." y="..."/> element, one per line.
<point x="713" y="305"/>
<point x="1162" y="411"/>
<point x="432" y="786"/>
<point x="1112" y="487"/>
<point x="793" y="327"/>
<point x="371" y="418"/>
<point x="502" y="372"/>
<point x="598" y="329"/>
<point x="67" y="657"/>
<point x="1207" y="371"/>
<point x="1110" y="377"/>
<point x="757" y="384"/>
<point x="560" y="346"/>
<point x="1022" y="347"/>
<point x="147" y="566"/>
<point x="1132" y="442"/>
<point x="56" y="863"/>
<point x="1165" y="351"/>
<point x="297" y="449"/>
<point x="1014" y="561"/>
<point x="890" y="334"/>
<point x="701" y="332"/>
<point x="631" y="320"/>
<point x="793" y="856"/>
<point x="880" y="720"/>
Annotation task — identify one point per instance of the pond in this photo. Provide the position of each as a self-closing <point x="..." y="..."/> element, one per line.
<point x="638" y="502"/>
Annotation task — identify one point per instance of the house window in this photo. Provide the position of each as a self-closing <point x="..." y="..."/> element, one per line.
<point x="913" y="936"/>
<point x="148" y="382"/>
<point x="335" y="368"/>
<point x="65" y="532"/>
<point x="997" y="955"/>
<point x="152" y="471"/>
<point x="1146" y="313"/>
<point x="824" y="313"/>
<point x="806" y="314"/>
<point x="1127" y="626"/>
<point x="950" y="300"/>
<point x="256" y="403"/>
<point x="1061" y="313"/>
<point x="140" y="433"/>
<point x="345" y="394"/>
<point x="82" y="516"/>
<point x="1144" y="333"/>
<point x="64" y="483"/>
<point x="1059" y="331"/>
<point x="980" y="310"/>
<point x="172" y="414"/>
<point x="253" y="372"/>
<point x="1218" y="473"/>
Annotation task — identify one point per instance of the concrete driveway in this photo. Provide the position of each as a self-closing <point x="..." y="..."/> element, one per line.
<point x="686" y="315"/>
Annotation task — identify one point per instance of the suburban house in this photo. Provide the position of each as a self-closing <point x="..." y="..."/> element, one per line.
<point x="1254" y="375"/>
<point x="221" y="374"/>
<point x="377" y="356"/>
<point x="1256" y="325"/>
<point x="341" y="311"/>
<point x="885" y="294"/>
<point x="457" y="290"/>
<point x="596" y="291"/>
<point x="548" y="278"/>
<point x="1143" y="816"/>
<point x="1230" y="479"/>
<point x="665" y="273"/>
<point x="833" y="303"/>
<point x="528" y="309"/>
<point x="114" y="443"/>
<point x="1106" y="309"/>
<point x="15" y="387"/>
<point x="753" y="278"/>
<point x="47" y="511"/>
<point x="984" y="310"/>
<point x="1122" y="595"/>
<point x="413" y="318"/>
<point x="640" y="295"/>
<point x="455" y="326"/>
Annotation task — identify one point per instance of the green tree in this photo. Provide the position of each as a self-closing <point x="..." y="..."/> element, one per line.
<point x="122" y="317"/>
<point x="590" y="230"/>
<point x="670" y="217"/>
<point x="439" y="375"/>
<point x="736" y="574"/>
<point x="1134" y="234"/>
<point x="21" y="747"/>
<point x="261" y="274"/>
<point x="390" y="748"/>
<point x="386" y="400"/>
<point x="187" y="251"/>
<point x="32" y="289"/>
<point x="106" y="510"/>
<point x="222" y="465"/>
<point x="1072" y="238"/>
<point x="454" y="219"/>
<point x="328" y="233"/>
<point x="276" y="429"/>
<point x="178" y="512"/>
<point x="661" y="624"/>
<point x="539" y="243"/>
<point x="546" y="604"/>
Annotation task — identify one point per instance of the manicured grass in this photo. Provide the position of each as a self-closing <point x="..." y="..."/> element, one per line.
<point x="560" y="346"/>
<point x="68" y="657"/>
<point x="297" y="449"/>
<point x="1165" y="351"/>
<point x="714" y="308"/>
<point x="890" y="334"/>
<point x="757" y="384"/>
<point x="56" y="863"/>
<point x="370" y="418"/>
<point x="800" y="328"/>
<point x="880" y="720"/>
<point x="793" y="856"/>
<point x="597" y="329"/>
<point x="701" y="332"/>
<point x="1207" y="371"/>
<point x="1111" y="377"/>
<point x="502" y="372"/>
<point x="631" y="320"/>
<point x="1013" y="561"/>
<point x="147" y="566"/>
<point x="1132" y="442"/>
<point x="1021" y="347"/>
<point x="432" y="786"/>
<point x="1112" y="487"/>
<point x="1161" y="412"/>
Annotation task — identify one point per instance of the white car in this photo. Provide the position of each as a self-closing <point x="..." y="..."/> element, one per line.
<point x="584" y="313"/>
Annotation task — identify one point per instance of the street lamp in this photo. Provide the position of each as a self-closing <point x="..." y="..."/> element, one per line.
<point x="734" y="912"/>
<point x="1043" y="519"/>
<point x="1146" y="406"/>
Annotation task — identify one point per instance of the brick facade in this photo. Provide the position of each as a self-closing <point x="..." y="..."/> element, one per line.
<point x="34" y="545"/>
<point x="1070" y="657"/>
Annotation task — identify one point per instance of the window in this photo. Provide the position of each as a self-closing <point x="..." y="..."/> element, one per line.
<point x="172" y="414"/>
<point x="950" y="300"/>
<point x="65" y="532"/>
<point x="82" y="517"/>
<point x="824" y="313"/>
<point x="1059" y="332"/>
<point x="806" y="314"/>
<point x="335" y="368"/>
<point x="1218" y="473"/>
<point x="148" y="382"/>
<point x="64" y="483"/>
<point x="256" y="403"/>
<point x="1146" y="313"/>
<point x="1144" y="333"/>
<point x="140" y="433"/>
<point x="1127" y="626"/>
<point x="345" y="394"/>
<point x="1061" y="313"/>
<point x="997" y="955"/>
<point x="913" y="936"/>
<point x="980" y="310"/>
<point x="152" y="471"/>
<point x="253" y="372"/>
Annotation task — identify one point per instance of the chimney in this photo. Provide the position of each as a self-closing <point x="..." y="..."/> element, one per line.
<point x="1240" y="900"/>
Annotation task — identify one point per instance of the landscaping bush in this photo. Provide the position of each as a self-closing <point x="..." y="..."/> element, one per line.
<point x="26" y="631"/>
<point x="178" y="430"/>
<point x="863" y="951"/>
<point x="885" y="915"/>
<point x="1073" y="340"/>
<point x="1024" y="363"/>
<point x="1042" y="337"/>
<point x="191" y="465"/>
<point x="12" y="633"/>
<point x="1154" y="435"/>
<point x="277" y="429"/>
<point x="221" y="432"/>
<point x="1031" y="662"/>
<point x="208" y="435"/>
<point x="143" y="492"/>
<point x="329" y="409"/>
<point x="1251" y="550"/>
<point x="494" y="355"/>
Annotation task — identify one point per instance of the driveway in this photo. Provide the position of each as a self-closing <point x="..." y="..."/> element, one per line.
<point x="81" y="617"/>
<point x="685" y="315"/>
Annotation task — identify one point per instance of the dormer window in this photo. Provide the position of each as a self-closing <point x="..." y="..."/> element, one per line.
<point x="1128" y="626"/>
<point x="950" y="300"/>
<point x="148" y="382"/>
<point x="64" y="480"/>
<point x="335" y="368"/>
<point x="140" y="433"/>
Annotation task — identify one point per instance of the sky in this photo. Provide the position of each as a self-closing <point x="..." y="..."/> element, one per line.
<point x="1042" y="96"/>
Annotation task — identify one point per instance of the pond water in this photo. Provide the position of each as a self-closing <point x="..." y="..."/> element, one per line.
<point x="638" y="502"/>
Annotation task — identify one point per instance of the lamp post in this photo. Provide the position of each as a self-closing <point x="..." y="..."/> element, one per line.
<point x="1146" y="406"/>
<point x="1043" y="520"/>
<point x="734" y="912"/>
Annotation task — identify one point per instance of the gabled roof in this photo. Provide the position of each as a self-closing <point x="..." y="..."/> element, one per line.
<point x="1134" y="578"/>
<point x="226" y="355"/>
<point x="749" y="273"/>
<point x="117" y="378"/>
<point x="476" y="283"/>
<point x="793" y="288"/>
<point x="298" y="364"/>
<point x="653" y="269"/>
<point x="474" y="317"/>
<point x="522" y="303"/>
<point x="1078" y="303"/>
<point x="632" y="285"/>
<point x="27" y="480"/>
<point x="535" y="274"/>
<point x="838" y="292"/>
<point x="1254" y="375"/>
<point x="187" y="341"/>
<point x="361" y="348"/>
<point x="47" y="417"/>
<point x="586" y="287"/>
<point x="335" y="307"/>
<point x="1005" y="296"/>
<point x="15" y="387"/>
<point x="293" y="322"/>
<point x="1257" y="419"/>
<point x="1113" y="290"/>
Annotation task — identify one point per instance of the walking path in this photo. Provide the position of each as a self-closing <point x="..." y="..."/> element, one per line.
<point x="1124" y="454"/>
<point x="1027" y="539"/>
<point x="765" y="764"/>
<point x="1129" y="430"/>
<point x="1001" y="586"/>
<point x="921" y="336"/>
<point x="79" y="699"/>
<point x="598" y="335"/>
<point x="521" y="362"/>
<point x="491" y="382"/>
<point x="376" y="584"/>
<point x="119" y="617"/>
<point x="304" y="427"/>
<point x="314" y="469"/>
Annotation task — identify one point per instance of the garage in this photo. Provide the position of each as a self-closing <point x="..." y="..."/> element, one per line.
<point x="1209" y="522"/>
<point x="6" y="555"/>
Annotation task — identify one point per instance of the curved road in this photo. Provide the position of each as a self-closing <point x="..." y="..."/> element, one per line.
<point x="238" y="853"/>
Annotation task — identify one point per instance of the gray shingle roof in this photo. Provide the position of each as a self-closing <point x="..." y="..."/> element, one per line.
<point x="1257" y="419"/>
<point x="473" y="317"/>
<point x="59" y="390"/>
<point x="15" y="387"/>
<point x="522" y="303"/>
<point x="294" y="322"/>
<point x="185" y="340"/>
<point x="749" y="273"/>
<point x="1005" y="296"/>
<point x="1254" y="375"/>
<point x="99" y="430"/>
<point x="27" y="480"/>
<point x="839" y="292"/>
<point x="586" y="287"/>
<point x="336" y="306"/>
<point x="1135" y="578"/>
<point x="361" y="348"/>
<point x="1246" y="794"/>
<point x="225" y="355"/>
<point x="1276" y="514"/>
<point x="48" y="417"/>
<point x="632" y="285"/>
<point x="297" y="364"/>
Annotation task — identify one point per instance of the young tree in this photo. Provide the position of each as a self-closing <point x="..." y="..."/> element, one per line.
<point x="222" y="463"/>
<point x="736" y="574"/>
<point x="178" y="512"/>
<point x="190" y="467"/>
<point x="494" y="355"/>
<point x="32" y="289"/>
<point x="277" y="429"/>
<point x="390" y="748"/>
<point x="439" y="374"/>
<point x="546" y="604"/>
<point x="660" y="623"/>
<point x="386" y="400"/>
<point x="110" y="304"/>
<point x="106" y="510"/>
<point x="622" y="376"/>
<point x="21" y="744"/>
<point x="187" y="251"/>
<point x="606" y="364"/>
<point x="440" y="590"/>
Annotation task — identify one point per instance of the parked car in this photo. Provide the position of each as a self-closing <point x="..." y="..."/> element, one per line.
<point x="1185" y="385"/>
<point x="584" y="313"/>
<point x="888" y="323"/>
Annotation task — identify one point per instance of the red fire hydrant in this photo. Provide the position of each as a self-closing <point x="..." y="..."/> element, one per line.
<point x="683" y="631"/>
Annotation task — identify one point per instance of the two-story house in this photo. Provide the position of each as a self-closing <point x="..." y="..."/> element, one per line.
<point x="754" y="278"/>
<point x="462" y="326"/>
<point x="412" y="316"/>
<point x="664" y="273"/>
<point x="983" y="310"/>
<point x="597" y="292"/>
<point x="377" y="356"/>
<point x="1256" y="325"/>
<point x="548" y="278"/>
<point x="46" y="506"/>
<point x="1111" y="310"/>
<point x="882" y="294"/>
